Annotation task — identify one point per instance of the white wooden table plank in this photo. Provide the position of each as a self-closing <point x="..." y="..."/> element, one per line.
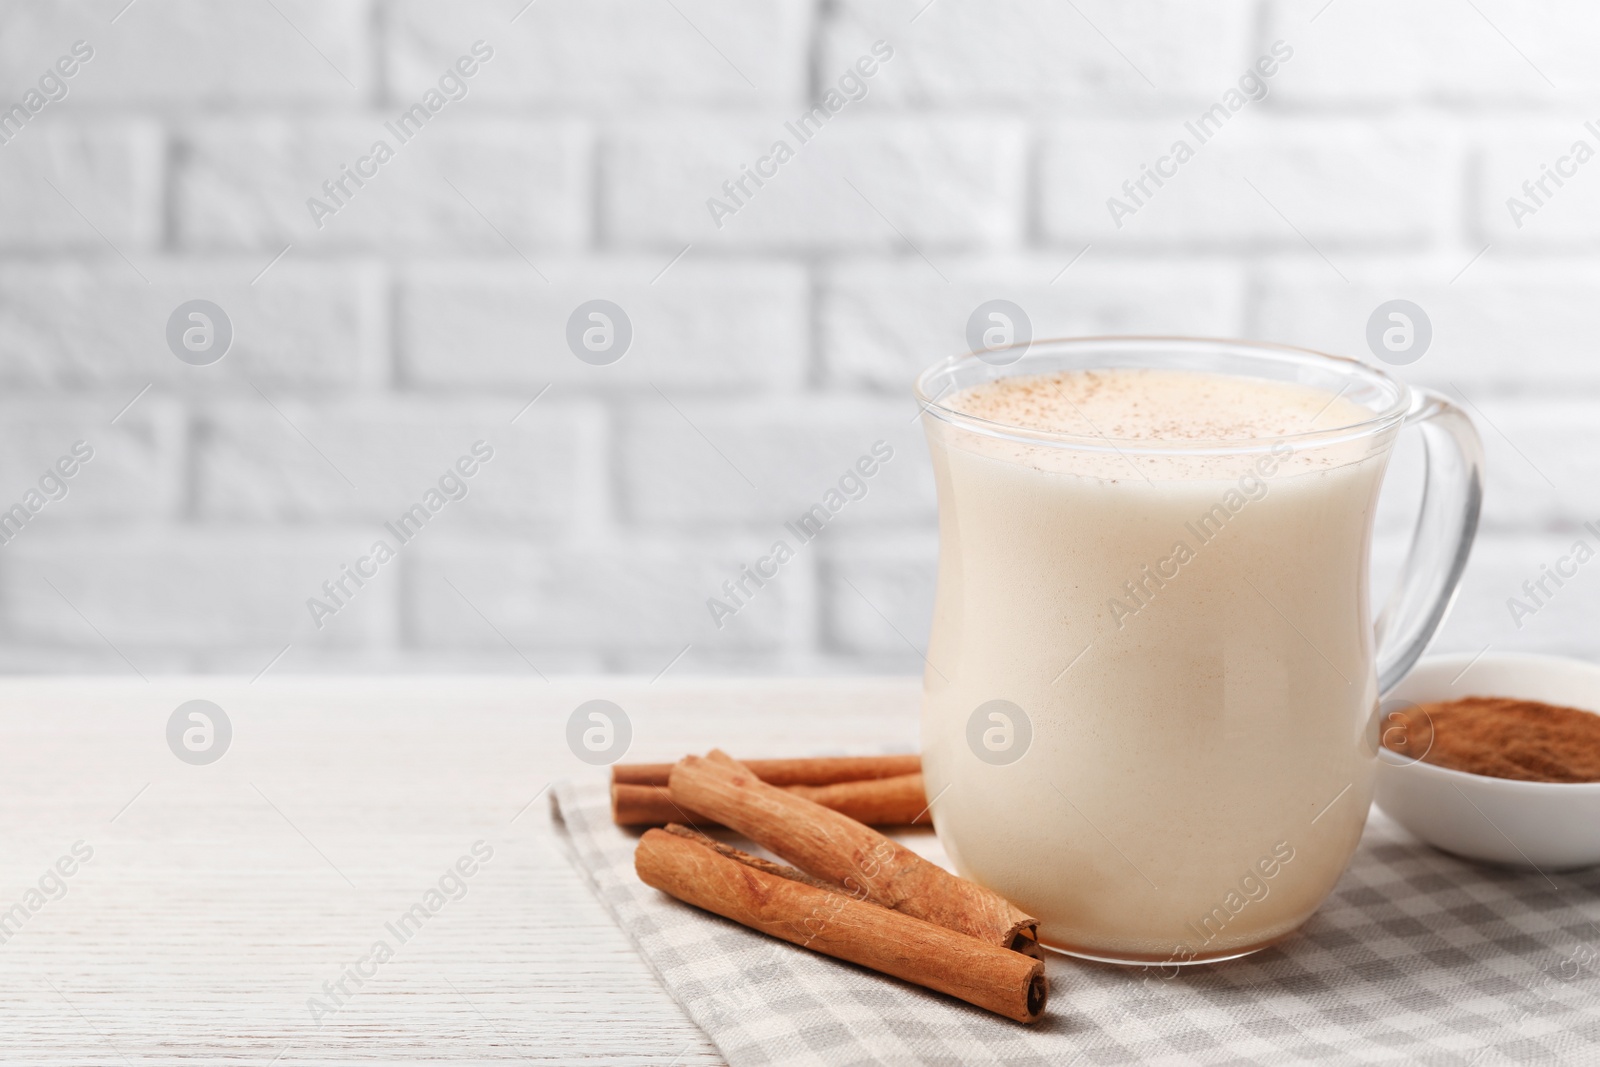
<point x="223" y="897"/>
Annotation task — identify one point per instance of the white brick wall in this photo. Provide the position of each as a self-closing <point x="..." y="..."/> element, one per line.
<point x="1340" y="182"/>
<point x="87" y="186"/>
<point x="492" y="323"/>
<point x="768" y="352"/>
<point x="861" y="182"/>
<point x="91" y="323"/>
<point x="614" y="53"/>
<point x="880" y="320"/>
<point x="464" y="182"/>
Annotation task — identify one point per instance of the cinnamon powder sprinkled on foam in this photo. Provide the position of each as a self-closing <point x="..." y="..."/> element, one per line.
<point x="1140" y="404"/>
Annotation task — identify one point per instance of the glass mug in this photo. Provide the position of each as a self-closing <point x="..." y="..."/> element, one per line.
<point x="1183" y="778"/>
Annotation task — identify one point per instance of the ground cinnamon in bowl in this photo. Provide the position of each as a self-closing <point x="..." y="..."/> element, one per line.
<point x="1500" y="737"/>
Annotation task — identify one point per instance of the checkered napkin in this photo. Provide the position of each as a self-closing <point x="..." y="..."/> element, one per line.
<point x="1417" y="958"/>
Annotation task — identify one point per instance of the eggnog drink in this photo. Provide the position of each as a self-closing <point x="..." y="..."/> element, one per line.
<point x="1150" y="703"/>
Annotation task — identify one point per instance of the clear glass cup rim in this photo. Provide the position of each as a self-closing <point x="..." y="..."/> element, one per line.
<point x="1400" y="398"/>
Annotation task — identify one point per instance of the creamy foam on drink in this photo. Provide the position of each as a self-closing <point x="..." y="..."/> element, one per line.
<point x="1188" y="634"/>
<point x="1154" y="405"/>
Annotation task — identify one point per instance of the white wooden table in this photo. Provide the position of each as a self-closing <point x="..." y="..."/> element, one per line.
<point x="219" y="899"/>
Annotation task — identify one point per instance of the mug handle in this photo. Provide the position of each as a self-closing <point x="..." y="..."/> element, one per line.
<point x="1452" y="496"/>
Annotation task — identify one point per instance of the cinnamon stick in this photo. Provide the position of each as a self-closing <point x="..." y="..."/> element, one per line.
<point x="897" y="801"/>
<point x="804" y="912"/>
<point x="722" y="849"/>
<point x="649" y="805"/>
<point x="839" y="849"/>
<point x="815" y="770"/>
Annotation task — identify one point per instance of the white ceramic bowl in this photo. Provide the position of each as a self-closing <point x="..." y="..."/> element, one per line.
<point x="1543" y="825"/>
